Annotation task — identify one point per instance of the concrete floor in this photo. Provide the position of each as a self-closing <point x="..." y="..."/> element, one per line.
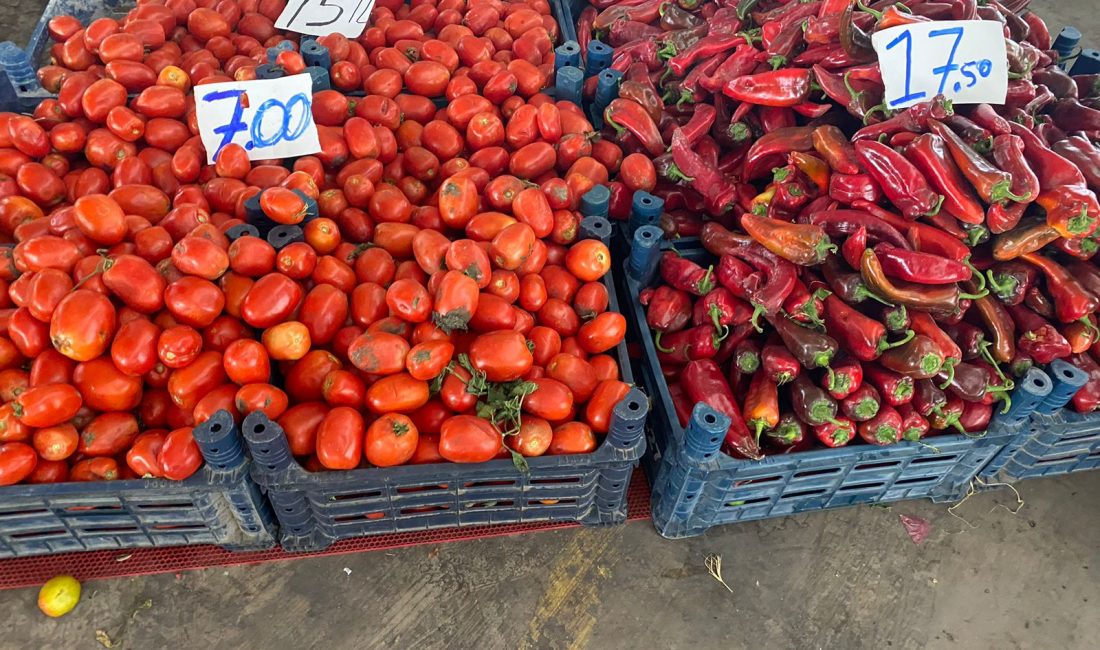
<point x="842" y="579"/>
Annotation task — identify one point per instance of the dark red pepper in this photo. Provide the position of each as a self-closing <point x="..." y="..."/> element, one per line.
<point x="847" y="188"/>
<point x="746" y="357"/>
<point x="625" y="115"/>
<point x="1087" y="398"/>
<point x="691" y="344"/>
<point x="987" y="117"/>
<point x="831" y="143"/>
<point x="811" y="404"/>
<point x="862" y="405"/>
<point x="975" y="417"/>
<point x="771" y="150"/>
<point x="837" y="433"/>
<point x="992" y="184"/>
<point x="789" y="431"/>
<point x="918" y="358"/>
<point x="922" y="268"/>
<point x="848" y="222"/>
<point x="804" y="306"/>
<point x="914" y="426"/>
<point x="812" y="349"/>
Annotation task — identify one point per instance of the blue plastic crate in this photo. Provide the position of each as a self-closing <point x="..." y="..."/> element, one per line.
<point x="19" y="87"/>
<point x="218" y="505"/>
<point x="317" y="508"/>
<point x="1060" y="443"/>
<point x="693" y="492"/>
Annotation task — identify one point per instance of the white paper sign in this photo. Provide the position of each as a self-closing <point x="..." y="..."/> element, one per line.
<point x="321" y="17"/>
<point x="270" y="118"/>
<point x="965" y="60"/>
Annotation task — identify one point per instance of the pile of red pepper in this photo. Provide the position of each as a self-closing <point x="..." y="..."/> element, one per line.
<point x="892" y="269"/>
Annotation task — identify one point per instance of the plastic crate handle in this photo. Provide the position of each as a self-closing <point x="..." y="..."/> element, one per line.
<point x="705" y="433"/>
<point x="1068" y="379"/>
<point x="628" y="420"/>
<point x="220" y="442"/>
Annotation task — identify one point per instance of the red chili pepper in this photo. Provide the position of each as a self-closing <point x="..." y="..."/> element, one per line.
<point x="895" y="389"/>
<point x="812" y="348"/>
<point x="928" y="239"/>
<point x="1029" y="237"/>
<point x="848" y="222"/>
<point x="626" y="115"/>
<point x="667" y="309"/>
<point x="902" y="183"/>
<point x="924" y="325"/>
<point x="987" y="117"/>
<point x="913" y="425"/>
<point x="918" y="358"/>
<point x="913" y="119"/>
<point x="1080" y="151"/>
<point x="861" y="336"/>
<point x="737" y="276"/>
<point x="923" y="268"/>
<point x="844" y="378"/>
<point x="1002" y="217"/>
<point x="779" y="274"/>
<point x="831" y="143"/>
<point x="847" y="188"/>
<point x="1087" y="398"/>
<point x="992" y="184"/>
<point x="703" y="382"/>
<point x="1038" y="338"/>
<point x="999" y="325"/>
<point x="683" y="274"/>
<point x="943" y="299"/>
<point x="772" y="148"/>
<point x="1072" y="210"/>
<point x="886" y="428"/>
<point x="718" y="193"/>
<point x="837" y="433"/>
<point x="761" y="404"/>
<point x="740" y="63"/>
<point x="713" y="46"/>
<point x="929" y="153"/>
<point x="852" y="248"/>
<point x="699" y="124"/>
<point x="804" y="306"/>
<point x="644" y="12"/>
<point x="1072" y="301"/>
<point x="928" y="399"/>
<point x="950" y="415"/>
<point x="721" y="309"/>
<point x="1053" y="170"/>
<point x="786" y="87"/>
<point x="1008" y="153"/>
<point x="687" y="345"/>
<point x="862" y="405"/>
<point x="803" y="244"/>
<point x="779" y="364"/>
<point x="858" y="97"/>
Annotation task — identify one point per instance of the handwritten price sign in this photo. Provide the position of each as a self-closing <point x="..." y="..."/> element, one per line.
<point x="270" y="118"/>
<point x="965" y="60"/>
<point x="321" y="17"/>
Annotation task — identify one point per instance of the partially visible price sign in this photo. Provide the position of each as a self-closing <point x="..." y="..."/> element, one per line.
<point x="321" y="17"/>
<point x="270" y="118"/>
<point x="965" y="60"/>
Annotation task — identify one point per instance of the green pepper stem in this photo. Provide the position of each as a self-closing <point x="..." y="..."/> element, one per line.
<point x="865" y="8"/>
<point x="974" y="296"/>
<point x="657" y="343"/>
<point x="936" y="208"/>
<point x="757" y="310"/>
<point x="949" y="367"/>
<point x="1003" y="190"/>
<point x="886" y="345"/>
<point x="1002" y="289"/>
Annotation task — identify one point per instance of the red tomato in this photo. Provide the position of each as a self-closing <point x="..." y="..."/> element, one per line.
<point x="378" y="353"/>
<point x="17" y="461"/>
<point x="502" y="356"/>
<point x="343" y="388"/>
<point x="246" y="362"/>
<point x="391" y="440"/>
<point x="340" y="436"/>
<point x="409" y="300"/>
<point x="95" y="469"/>
<point x="135" y="282"/>
<point x="602" y="332"/>
<point x="56" y="442"/>
<point x="551" y="400"/>
<point x="426" y="360"/>
<point x="300" y="423"/>
<point x="456" y="300"/>
<point x="106" y="388"/>
<point x="270" y="300"/>
<point x="83" y="325"/>
<point x="268" y="399"/>
<point x="179" y="455"/>
<point x="400" y="393"/>
<point x="469" y="439"/>
<point x="572" y="438"/>
<point x="588" y="260"/>
<point x="46" y="406"/>
<point x="534" y="437"/>
<point x="108" y="434"/>
<point x="142" y="458"/>
<point x="608" y="394"/>
<point x="287" y="341"/>
<point x="576" y="373"/>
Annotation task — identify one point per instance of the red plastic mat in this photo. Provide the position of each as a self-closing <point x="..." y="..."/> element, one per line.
<point x="33" y="571"/>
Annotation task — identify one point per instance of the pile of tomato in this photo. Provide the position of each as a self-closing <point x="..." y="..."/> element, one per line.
<point x="439" y="305"/>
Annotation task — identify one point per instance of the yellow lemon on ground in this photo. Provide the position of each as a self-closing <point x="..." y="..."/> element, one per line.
<point x="59" y="596"/>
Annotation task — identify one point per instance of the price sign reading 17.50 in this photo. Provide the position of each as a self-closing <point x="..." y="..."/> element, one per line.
<point x="965" y="60"/>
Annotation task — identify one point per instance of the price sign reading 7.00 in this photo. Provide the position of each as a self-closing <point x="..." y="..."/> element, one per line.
<point x="321" y="17"/>
<point x="965" y="60"/>
<point x="270" y="118"/>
